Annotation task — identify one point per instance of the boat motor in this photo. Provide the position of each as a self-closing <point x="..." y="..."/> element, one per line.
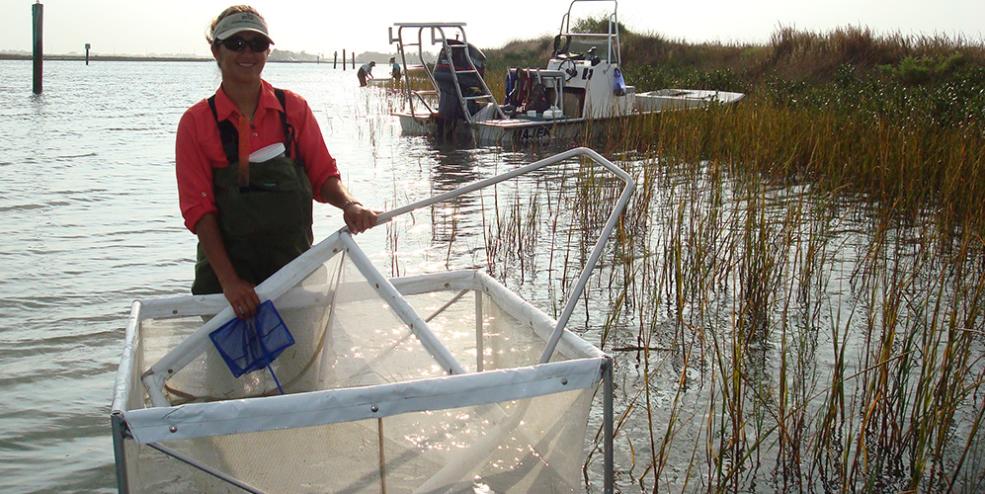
<point x="455" y="59"/>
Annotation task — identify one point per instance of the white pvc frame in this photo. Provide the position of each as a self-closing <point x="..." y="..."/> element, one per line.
<point x="151" y="426"/>
<point x="165" y="422"/>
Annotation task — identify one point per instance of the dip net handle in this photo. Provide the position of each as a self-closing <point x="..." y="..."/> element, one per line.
<point x="586" y="272"/>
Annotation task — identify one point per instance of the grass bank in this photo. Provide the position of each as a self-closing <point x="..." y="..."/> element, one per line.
<point x="899" y="120"/>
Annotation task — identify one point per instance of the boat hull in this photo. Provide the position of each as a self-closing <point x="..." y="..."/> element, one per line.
<point x="523" y="130"/>
<point x="491" y="134"/>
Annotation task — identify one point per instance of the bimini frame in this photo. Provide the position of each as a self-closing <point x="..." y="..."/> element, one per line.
<point x="439" y="32"/>
<point x="613" y="46"/>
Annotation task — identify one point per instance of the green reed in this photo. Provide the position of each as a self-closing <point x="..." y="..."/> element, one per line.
<point x="795" y="297"/>
<point x="800" y="294"/>
<point x="908" y="168"/>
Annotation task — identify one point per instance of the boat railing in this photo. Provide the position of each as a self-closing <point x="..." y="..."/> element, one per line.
<point x="613" y="45"/>
<point x="439" y="36"/>
<point x="410" y="94"/>
<point x="614" y="29"/>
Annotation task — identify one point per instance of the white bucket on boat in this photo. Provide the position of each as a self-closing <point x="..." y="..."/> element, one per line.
<point x="553" y="112"/>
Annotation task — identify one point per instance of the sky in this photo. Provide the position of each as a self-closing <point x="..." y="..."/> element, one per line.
<point x="140" y="27"/>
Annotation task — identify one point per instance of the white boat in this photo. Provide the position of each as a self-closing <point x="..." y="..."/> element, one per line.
<point x="443" y="382"/>
<point x="574" y="91"/>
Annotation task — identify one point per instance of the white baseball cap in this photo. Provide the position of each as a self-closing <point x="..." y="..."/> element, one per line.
<point x="239" y="22"/>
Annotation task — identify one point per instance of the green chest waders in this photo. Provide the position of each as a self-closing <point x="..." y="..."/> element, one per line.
<point x="264" y="225"/>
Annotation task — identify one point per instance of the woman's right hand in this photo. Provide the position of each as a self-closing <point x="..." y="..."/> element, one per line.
<point x="358" y="218"/>
<point x="242" y="297"/>
<point x="240" y="293"/>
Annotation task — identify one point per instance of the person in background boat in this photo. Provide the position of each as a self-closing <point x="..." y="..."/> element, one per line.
<point x="394" y="69"/>
<point x="252" y="218"/>
<point x="365" y="72"/>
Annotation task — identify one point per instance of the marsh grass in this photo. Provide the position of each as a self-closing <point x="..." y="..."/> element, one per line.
<point x="801" y="293"/>
<point x="910" y="169"/>
<point x="771" y="332"/>
<point x="795" y="297"/>
<point x="814" y="342"/>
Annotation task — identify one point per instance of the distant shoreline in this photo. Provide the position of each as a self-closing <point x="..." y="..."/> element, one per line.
<point x="131" y="58"/>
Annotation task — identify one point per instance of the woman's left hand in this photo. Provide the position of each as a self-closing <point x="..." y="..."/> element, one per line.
<point x="359" y="219"/>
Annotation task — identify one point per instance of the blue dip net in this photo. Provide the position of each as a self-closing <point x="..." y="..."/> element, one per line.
<point x="247" y="345"/>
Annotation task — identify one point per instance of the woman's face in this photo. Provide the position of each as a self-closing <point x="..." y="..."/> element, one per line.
<point x="244" y="66"/>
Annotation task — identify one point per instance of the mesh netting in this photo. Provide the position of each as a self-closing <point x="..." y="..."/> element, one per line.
<point x="345" y="335"/>
<point x="506" y="341"/>
<point x="348" y="336"/>
<point x="532" y="445"/>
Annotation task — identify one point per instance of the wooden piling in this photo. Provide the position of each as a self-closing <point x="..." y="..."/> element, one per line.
<point x="343" y="60"/>
<point x="87" y="52"/>
<point x="335" y="60"/>
<point x="353" y="61"/>
<point x="37" y="11"/>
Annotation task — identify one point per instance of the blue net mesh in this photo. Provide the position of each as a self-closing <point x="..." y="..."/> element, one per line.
<point x="249" y="345"/>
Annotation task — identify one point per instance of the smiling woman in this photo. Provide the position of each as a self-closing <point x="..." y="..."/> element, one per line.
<point x="252" y="220"/>
<point x="236" y="29"/>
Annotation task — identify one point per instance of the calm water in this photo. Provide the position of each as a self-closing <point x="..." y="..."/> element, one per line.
<point x="91" y="222"/>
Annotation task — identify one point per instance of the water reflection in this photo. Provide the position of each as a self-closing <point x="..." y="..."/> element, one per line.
<point x="453" y="169"/>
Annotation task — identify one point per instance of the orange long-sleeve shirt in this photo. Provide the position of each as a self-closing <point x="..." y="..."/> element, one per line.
<point x="198" y="148"/>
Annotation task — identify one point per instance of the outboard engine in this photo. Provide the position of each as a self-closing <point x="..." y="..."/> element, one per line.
<point x="449" y="108"/>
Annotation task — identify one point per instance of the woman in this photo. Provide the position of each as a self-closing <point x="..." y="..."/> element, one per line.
<point x="252" y="218"/>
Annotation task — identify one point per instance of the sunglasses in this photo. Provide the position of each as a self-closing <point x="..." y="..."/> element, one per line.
<point x="238" y="44"/>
